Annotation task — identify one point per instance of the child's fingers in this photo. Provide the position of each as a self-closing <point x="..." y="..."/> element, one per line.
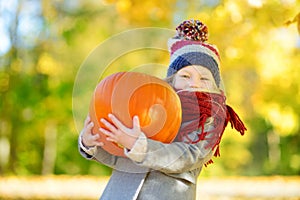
<point x="87" y="130"/>
<point x="99" y="144"/>
<point x="136" y="124"/>
<point x="118" y="123"/>
<point x="106" y="132"/>
<point x="108" y="125"/>
<point x="90" y="126"/>
<point x="110" y="136"/>
<point x="96" y="136"/>
<point x="96" y="142"/>
<point x="87" y="120"/>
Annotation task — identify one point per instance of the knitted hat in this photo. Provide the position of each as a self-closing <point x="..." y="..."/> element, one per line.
<point x="189" y="47"/>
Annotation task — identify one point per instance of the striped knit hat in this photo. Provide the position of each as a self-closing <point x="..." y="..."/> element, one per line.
<point x="189" y="47"/>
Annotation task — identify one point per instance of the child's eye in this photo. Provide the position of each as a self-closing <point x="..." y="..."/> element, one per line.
<point x="185" y="76"/>
<point x="204" y="79"/>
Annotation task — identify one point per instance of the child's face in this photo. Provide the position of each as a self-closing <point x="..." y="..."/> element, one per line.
<point x="195" y="77"/>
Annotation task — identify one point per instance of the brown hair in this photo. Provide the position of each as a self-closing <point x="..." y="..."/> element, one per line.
<point x="170" y="79"/>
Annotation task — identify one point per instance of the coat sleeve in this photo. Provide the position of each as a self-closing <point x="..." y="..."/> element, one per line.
<point x="119" y="163"/>
<point x="99" y="155"/>
<point x="176" y="157"/>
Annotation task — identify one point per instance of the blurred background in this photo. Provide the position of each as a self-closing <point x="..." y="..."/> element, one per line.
<point x="44" y="43"/>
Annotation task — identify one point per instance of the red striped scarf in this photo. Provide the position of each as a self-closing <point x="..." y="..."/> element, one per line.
<point x="197" y="108"/>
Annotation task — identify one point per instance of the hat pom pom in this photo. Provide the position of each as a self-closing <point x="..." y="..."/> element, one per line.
<point x="193" y="30"/>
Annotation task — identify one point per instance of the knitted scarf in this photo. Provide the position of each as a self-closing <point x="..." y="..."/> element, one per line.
<point x="200" y="107"/>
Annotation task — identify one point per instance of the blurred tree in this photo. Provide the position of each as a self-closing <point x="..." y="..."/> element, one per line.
<point x="145" y="13"/>
<point x="45" y="42"/>
<point x="295" y="20"/>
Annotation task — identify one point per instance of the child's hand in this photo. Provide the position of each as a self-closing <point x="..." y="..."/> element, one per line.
<point x="89" y="139"/>
<point x="121" y="134"/>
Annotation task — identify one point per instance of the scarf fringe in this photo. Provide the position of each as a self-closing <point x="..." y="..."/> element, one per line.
<point x="209" y="162"/>
<point x="196" y="113"/>
<point x="236" y="123"/>
<point x="235" y="120"/>
<point x="217" y="152"/>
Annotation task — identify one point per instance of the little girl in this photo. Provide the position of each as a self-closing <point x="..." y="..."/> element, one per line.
<point x="154" y="170"/>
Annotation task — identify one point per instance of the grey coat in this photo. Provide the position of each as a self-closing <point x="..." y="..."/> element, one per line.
<point x="154" y="170"/>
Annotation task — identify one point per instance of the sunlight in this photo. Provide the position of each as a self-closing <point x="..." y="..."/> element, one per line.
<point x="233" y="52"/>
<point x="255" y="3"/>
<point x="288" y="2"/>
<point x="5" y="43"/>
<point x="47" y="65"/>
<point x="6" y="8"/>
<point x="123" y="6"/>
<point x="275" y="52"/>
<point x="234" y="11"/>
<point x="283" y="119"/>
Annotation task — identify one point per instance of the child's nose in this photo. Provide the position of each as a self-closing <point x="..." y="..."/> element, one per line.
<point x="194" y="84"/>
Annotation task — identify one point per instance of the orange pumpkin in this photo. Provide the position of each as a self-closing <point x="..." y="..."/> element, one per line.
<point x="126" y="94"/>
